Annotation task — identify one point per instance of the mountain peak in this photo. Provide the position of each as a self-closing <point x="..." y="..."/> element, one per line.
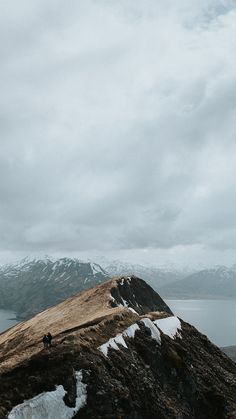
<point x="127" y="296"/>
<point x="117" y="352"/>
<point x="33" y="285"/>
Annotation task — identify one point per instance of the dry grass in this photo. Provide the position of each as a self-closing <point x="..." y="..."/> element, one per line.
<point x="85" y="317"/>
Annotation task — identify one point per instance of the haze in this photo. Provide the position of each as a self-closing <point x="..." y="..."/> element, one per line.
<point x="118" y="129"/>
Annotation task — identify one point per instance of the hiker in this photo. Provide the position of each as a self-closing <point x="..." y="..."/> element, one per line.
<point x="49" y="336"/>
<point x="45" y="341"/>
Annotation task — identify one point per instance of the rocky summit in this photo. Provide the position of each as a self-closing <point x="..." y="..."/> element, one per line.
<point x="117" y="352"/>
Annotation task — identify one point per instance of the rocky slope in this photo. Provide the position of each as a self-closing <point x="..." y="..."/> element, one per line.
<point x="218" y="282"/>
<point x="33" y="285"/>
<point x="118" y="352"/>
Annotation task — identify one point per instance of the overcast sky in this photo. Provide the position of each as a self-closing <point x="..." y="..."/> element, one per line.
<point x="118" y="129"/>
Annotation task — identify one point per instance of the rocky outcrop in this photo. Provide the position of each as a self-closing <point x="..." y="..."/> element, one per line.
<point x="118" y="352"/>
<point x="137" y="295"/>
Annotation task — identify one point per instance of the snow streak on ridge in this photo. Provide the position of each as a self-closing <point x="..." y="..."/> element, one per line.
<point x="170" y="326"/>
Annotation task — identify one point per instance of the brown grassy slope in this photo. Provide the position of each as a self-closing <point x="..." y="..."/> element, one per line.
<point x="83" y="317"/>
<point x="25" y="339"/>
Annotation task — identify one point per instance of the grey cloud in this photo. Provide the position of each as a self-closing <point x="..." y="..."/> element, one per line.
<point x="117" y="125"/>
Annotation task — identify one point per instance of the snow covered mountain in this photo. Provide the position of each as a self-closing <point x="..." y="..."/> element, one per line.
<point x="118" y="352"/>
<point x="216" y="282"/>
<point x="154" y="276"/>
<point x="33" y="285"/>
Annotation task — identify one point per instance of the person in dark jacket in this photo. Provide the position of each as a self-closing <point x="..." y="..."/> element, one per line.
<point x="49" y="336"/>
<point x="45" y="341"/>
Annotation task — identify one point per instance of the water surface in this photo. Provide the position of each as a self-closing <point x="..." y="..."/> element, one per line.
<point x="7" y="319"/>
<point x="214" y="318"/>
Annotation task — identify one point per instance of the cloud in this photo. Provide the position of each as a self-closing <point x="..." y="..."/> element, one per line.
<point x="117" y="125"/>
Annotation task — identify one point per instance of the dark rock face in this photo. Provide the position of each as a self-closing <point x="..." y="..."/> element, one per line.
<point x="151" y="374"/>
<point x="138" y="295"/>
<point x="167" y="381"/>
<point x="183" y="378"/>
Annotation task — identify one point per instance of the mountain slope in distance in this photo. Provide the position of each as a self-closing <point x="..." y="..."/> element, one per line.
<point x="153" y="275"/>
<point x="33" y="285"/>
<point x="218" y="282"/>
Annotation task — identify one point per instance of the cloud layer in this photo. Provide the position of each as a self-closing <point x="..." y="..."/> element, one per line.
<point x="117" y="125"/>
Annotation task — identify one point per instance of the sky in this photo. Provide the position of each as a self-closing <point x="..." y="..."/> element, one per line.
<point x="118" y="123"/>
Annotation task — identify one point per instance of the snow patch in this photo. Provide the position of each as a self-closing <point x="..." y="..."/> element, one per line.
<point x="154" y="331"/>
<point x="112" y="343"/>
<point x="170" y="326"/>
<point x="50" y="403"/>
<point x="125" y="304"/>
<point x="112" y="298"/>
<point x="119" y="339"/>
<point x="54" y="267"/>
<point x="95" y="268"/>
<point x="130" y="331"/>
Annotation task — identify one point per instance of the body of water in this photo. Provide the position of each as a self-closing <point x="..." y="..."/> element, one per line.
<point x="7" y="319"/>
<point x="214" y="318"/>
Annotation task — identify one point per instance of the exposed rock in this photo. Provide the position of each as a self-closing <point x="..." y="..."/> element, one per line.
<point x="154" y="365"/>
<point x="138" y="295"/>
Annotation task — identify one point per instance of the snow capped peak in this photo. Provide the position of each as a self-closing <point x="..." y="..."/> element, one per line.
<point x="96" y="268"/>
<point x="220" y="271"/>
<point x="46" y="281"/>
<point x="66" y="262"/>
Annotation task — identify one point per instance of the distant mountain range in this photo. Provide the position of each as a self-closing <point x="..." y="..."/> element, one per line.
<point x="155" y="276"/>
<point x="31" y="286"/>
<point x="217" y="282"/>
<point x="34" y="285"/>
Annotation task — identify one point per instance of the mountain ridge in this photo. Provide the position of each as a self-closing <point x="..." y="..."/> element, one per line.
<point x="118" y="352"/>
<point x="32" y="285"/>
<point x="215" y="282"/>
<point x="154" y="275"/>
